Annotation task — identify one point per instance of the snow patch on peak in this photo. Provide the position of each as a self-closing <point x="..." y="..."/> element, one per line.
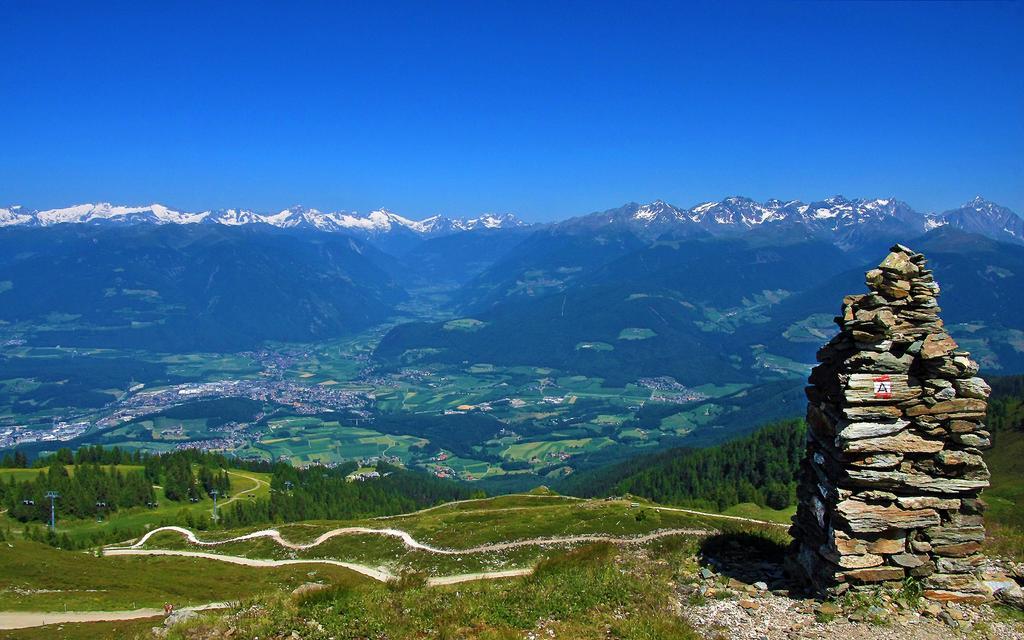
<point x="878" y="203"/>
<point x="492" y="221"/>
<point x="659" y="210"/>
<point x="12" y="216"/>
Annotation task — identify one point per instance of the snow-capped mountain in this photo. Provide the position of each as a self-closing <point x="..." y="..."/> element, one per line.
<point x="106" y="212"/>
<point x="846" y="222"/>
<point x="12" y="216"/>
<point x="981" y="216"/>
<point x="376" y="222"/>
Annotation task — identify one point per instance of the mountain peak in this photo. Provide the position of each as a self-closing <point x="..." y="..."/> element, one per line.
<point x="981" y="204"/>
<point x="844" y="221"/>
<point x="837" y="199"/>
<point x="739" y="200"/>
<point x="657" y="211"/>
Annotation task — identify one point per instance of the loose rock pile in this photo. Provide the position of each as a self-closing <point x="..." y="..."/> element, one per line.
<point x="889" y="486"/>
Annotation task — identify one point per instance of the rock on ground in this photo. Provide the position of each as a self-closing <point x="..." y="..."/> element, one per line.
<point x="783" y="618"/>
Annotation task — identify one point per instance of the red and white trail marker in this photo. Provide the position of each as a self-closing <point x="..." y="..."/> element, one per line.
<point x="883" y="387"/>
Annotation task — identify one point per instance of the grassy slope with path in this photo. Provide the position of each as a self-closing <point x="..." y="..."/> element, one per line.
<point x="36" y="577"/>
<point x="490" y="535"/>
<point x="87" y="631"/>
<point x="595" y="591"/>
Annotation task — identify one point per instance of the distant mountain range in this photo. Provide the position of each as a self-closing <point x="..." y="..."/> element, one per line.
<point x="725" y="291"/>
<point x="375" y="222"/>
<point x="845" y="222"/>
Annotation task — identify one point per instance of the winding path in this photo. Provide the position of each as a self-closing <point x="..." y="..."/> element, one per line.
<point x="241" y="493"/>
<point x="381" y="574"/>
<point x="706" y="514"/>
<point x="721" y="516"/>
<point x="26" y="619"/>
<point x="469" y="500"/>
<point x="408" y="540"/>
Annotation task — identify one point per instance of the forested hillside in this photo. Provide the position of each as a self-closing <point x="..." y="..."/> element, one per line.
<point x="759" y="468"/>
<point x="565" y="300"/>
<point x="1006" y="405"/>
<point x="189" y="287"/>
<point x="109" y="494"/>
<point x="96" y="482"/>
<point x="317" y="493"/>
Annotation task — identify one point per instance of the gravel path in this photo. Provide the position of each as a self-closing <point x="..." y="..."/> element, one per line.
<point x="409" y="541"/>
<point x="472" y="500"/>
<point x="377" y="573"/>
<point x="721" y="516"/>
<point x="26" y="619"/>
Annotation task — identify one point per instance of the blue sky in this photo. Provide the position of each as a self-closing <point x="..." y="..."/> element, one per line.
<point x="546" y="109"/>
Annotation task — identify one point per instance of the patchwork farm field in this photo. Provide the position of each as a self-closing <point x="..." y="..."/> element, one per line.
<point x="303" y="440"/>
<point x="327" y="403"/>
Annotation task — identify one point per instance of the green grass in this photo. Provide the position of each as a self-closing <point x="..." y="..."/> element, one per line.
<point x="1005" y="517"/>
<point x="459" y="526"/>
<point x="578" y="591"/>
<point x="541" y="450"/>
<point x="590" y="592"/>
<point x="36" y="577"/>
<point x="20" y="475"/>
<point x="29" y="474"/>
<point x="751" y="510"/>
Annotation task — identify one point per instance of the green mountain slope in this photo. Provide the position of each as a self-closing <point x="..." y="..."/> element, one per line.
<point x="700" y="309"/>
<point x="180" y="288"/>
<point x="676" y="308"/>
<point x="759" y="468"/>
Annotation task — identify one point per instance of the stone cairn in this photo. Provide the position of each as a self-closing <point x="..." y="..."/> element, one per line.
<point x="890" y="483"/>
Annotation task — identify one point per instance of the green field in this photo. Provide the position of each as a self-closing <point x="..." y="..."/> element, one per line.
<point x="307" y="439"/>
<point x="36" y="577"/>
<point x="636" y="333"/>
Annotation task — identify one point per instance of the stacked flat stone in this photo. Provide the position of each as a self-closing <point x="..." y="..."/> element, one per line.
<point x="890" y="483"/>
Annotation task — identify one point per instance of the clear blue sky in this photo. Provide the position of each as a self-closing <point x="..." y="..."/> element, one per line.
<point x="547" y="109"/>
